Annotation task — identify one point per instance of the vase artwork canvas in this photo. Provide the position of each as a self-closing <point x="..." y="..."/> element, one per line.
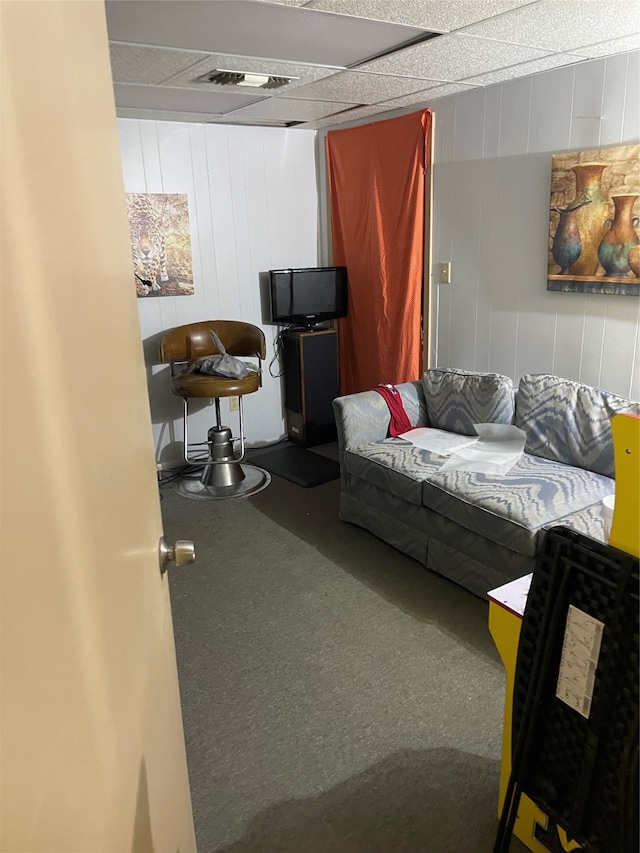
<point x="160" y="244"/>
<point x="594" y="238"/>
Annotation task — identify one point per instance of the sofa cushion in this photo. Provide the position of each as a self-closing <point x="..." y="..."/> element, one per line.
<point x="569" y="422"/>
<point x="393" y="465"/>
<point x="589" y="521"/>
<point x="513" y="508"/>
<point x="458" y="399"/>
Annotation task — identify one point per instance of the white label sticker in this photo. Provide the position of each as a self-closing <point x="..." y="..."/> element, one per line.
<point x="579" y="661"/>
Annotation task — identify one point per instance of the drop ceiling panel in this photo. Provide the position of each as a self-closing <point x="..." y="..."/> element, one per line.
<point x="429" y="94"/>
<point x="289" y="109"/>
<point x="148" y="65"/>
<point x="162" y="115"/>
<point x="562" y="25"/>
<point x="607" y="48"/>
<point x="360" y="87"/>
<point x="436" y="15"/>
<point x="554" y="60"/>
<point x="356" y="113"/>
<point x="252" y="28"/>
<point x="451" y="58"/>
<point x="179" y="100"/>
<point x="160" y="47"/>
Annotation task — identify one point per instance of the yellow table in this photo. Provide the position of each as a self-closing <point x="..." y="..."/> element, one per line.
<point x="506" y="607"/>
<point x="625" y="532"/>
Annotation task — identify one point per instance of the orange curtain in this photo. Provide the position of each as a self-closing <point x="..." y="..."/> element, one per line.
<point x="376" y="176"/>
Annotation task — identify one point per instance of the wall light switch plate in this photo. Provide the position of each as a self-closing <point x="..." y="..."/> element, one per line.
<point x="445" y="272"/>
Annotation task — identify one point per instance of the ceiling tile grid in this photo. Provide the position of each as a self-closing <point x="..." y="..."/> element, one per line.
<point x="344" y="58"/>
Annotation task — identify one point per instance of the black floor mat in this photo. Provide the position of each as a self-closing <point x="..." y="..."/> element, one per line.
<point x="298" y="465"/>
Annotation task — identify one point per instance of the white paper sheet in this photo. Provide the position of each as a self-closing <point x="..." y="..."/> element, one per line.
<point x="438" y="440"/>
<point x="498" y="448"/>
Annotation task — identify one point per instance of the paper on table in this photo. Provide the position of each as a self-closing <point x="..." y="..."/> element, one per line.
<point x="438" y="440"/>
<point x="512" y="595"/>
<point x="497" y="450"/>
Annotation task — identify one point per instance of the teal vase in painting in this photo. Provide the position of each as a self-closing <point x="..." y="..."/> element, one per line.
<point x="567" y="243"/>
<point x="621" y="237"/>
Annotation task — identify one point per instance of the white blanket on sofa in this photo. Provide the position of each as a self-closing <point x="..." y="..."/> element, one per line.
<point x="495" y="450"/>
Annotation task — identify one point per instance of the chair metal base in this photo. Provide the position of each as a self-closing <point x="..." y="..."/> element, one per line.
<point x="251" y="481"/>
<point x="223" y="475"/>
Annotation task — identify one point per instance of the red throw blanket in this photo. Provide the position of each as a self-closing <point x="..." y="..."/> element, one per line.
<point x="399" y="422"/>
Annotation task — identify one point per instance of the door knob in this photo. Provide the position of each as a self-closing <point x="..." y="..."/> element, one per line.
<point x="182" y="553"/>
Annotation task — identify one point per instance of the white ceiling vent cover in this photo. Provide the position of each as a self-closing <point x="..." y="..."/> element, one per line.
<point x="222" y="77"/>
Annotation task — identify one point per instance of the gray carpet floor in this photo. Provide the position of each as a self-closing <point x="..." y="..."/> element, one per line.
<point x="337" y="697"/>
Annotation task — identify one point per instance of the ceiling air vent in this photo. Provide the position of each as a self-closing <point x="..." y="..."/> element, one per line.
<point x="222" y="77"/>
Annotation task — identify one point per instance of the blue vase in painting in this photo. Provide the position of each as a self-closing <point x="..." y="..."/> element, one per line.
<point x="621" y="237"/>
<point x="567" y="243"/>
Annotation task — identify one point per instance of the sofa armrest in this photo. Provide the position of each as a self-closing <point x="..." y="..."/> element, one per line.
<point x="364" y="417"/>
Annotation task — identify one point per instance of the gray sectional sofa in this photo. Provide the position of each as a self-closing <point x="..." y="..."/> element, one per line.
<point x="479" y="530"/>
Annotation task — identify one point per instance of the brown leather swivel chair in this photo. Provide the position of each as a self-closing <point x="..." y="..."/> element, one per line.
<point x="223" y="476"/>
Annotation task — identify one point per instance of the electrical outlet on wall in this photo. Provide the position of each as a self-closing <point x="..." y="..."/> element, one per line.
<point x="234" y="404"/>
<point x="445" y="273"/>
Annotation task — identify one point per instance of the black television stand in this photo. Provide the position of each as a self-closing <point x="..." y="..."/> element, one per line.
<point x="310" y="384"/>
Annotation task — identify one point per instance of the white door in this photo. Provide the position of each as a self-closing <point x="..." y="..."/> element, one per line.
<point x="92" y="750"/>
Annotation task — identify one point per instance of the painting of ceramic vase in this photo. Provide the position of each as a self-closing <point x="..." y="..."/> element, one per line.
<point x="621" y="237"/>
<point x="567" y="242"/>
<point x="591" y="218"/>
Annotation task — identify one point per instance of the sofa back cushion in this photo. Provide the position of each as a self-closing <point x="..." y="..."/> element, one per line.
<point x="568" y="421"/>
<point x="458" y="399"/>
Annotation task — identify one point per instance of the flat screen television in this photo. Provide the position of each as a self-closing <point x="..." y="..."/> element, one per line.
<point x="307" y="296"/>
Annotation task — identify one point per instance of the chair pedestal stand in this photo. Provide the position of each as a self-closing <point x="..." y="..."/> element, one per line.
<point x="223" y="476"/>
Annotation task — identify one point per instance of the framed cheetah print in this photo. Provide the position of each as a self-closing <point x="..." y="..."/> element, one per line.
<point x="160" y="244"/>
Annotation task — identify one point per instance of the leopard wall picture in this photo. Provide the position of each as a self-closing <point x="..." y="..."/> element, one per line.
<point x="160" y="244"/>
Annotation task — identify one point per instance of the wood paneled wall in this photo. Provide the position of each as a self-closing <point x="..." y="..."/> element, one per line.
<point x="490" y="217"/>
<point x="253" y="206"/>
